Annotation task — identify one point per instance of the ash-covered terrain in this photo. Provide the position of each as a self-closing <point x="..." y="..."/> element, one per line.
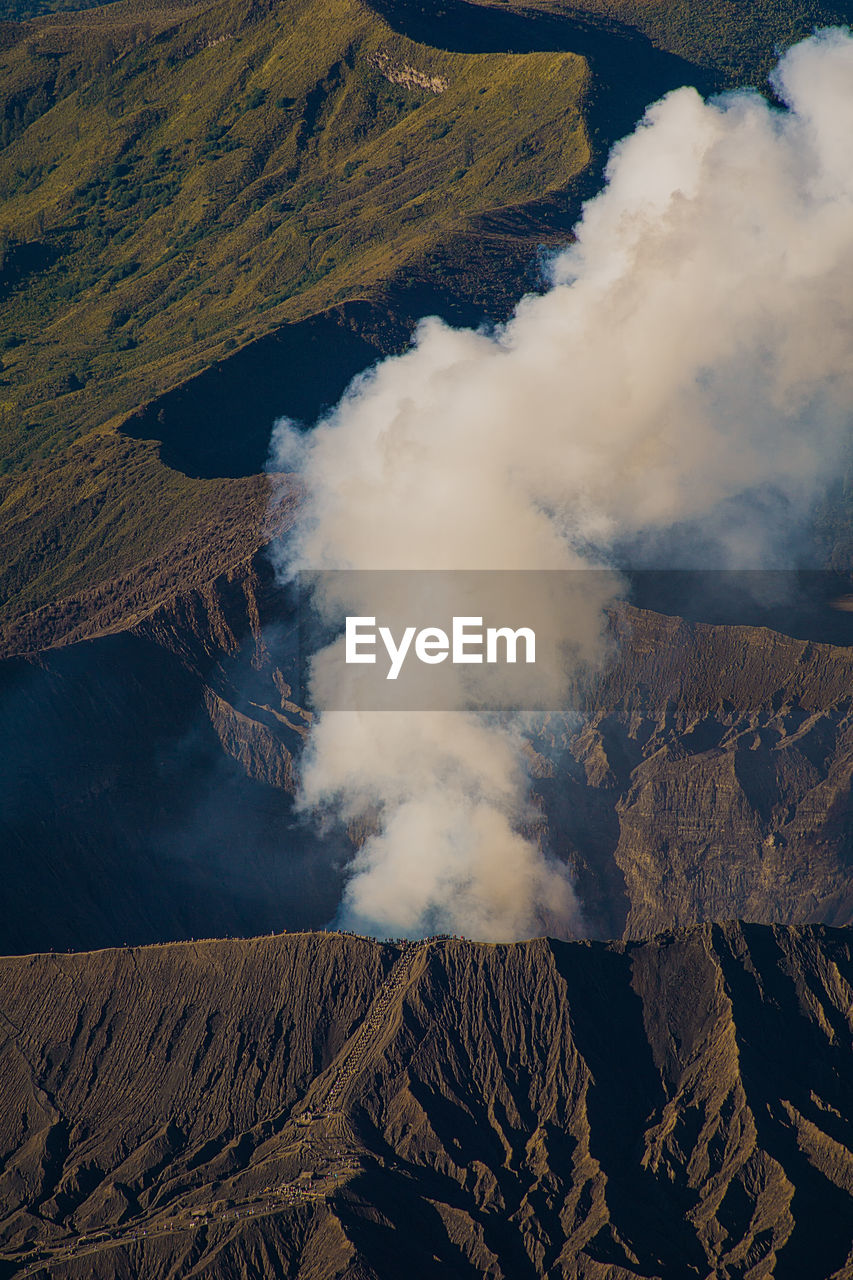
<point x="323" y="1106"/>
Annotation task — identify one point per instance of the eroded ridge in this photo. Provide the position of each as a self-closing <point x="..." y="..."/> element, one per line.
<point x="671" y="1107"/>
<point x="309" y="1155"/>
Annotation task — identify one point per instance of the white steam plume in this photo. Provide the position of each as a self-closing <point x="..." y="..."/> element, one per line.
<point x="693" y="350"/>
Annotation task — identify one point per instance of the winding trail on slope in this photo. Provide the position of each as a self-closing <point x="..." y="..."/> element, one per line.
<point x="373" y="1032"/>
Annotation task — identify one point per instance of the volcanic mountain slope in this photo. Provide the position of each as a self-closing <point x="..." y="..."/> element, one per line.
<point x="214" y="213"/>
<point x="217" y="213"/>
<point x="325" y="1106"/>
<point x="148" y="776"/>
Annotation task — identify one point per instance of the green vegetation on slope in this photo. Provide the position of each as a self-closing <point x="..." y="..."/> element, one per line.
<point x="18" y="10"/>
<point x="176" y="182"/>
<point x="179" y="179"/>
<point x="227" y="178"/>
<point x="214" y="183"/>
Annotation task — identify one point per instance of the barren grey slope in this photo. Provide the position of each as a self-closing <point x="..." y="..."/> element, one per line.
<point x="672" y="1108"/>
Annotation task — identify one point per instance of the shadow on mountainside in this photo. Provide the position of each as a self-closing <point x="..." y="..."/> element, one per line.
<point x="219" y="422"/>
<point x="132" y="813"/>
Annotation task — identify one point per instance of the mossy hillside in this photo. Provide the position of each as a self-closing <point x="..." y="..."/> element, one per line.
<point x="222" y="178"/>
<point x="183" y="181"/>
<point x="20" y="10"/>
<point x="737" y="37"/>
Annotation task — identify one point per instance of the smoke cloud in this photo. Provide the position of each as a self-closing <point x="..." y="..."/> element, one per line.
<point x="688" y="368"/>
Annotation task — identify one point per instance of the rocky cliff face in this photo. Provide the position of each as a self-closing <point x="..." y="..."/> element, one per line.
<point x="711" y="777"/>
<point x="706" y="775"/>
<point x="314" y="1106"/>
